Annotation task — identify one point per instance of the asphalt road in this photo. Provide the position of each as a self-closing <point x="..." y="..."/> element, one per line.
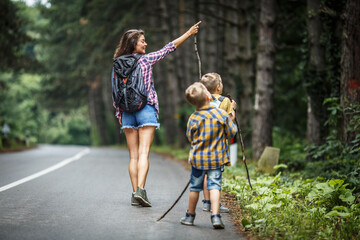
<point x="75" y="192"/>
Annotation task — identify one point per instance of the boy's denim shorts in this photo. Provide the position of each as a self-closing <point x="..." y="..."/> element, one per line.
<point x="197" y="179"/>
<point x="145" y="117"/>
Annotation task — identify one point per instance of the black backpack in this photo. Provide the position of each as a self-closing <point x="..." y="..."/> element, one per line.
<point x="128" y="87"/>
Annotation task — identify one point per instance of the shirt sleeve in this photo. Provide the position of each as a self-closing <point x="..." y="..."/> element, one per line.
<point x="118" y="113"/>
<point x="153" y="57"/>
<point x="230" y="127"/>
<point x="188" y="131"/>
<point x="226" y="105"/>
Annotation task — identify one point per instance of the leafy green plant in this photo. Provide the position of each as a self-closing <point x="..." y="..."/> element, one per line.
<point x="289" y="207"/>
<point x="334" y="158"/>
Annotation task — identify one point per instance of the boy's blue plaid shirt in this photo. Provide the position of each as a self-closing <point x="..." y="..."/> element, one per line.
<point x="208" y="130"/>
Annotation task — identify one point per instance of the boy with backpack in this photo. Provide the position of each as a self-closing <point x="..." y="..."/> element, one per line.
<point x="213" y="83"/>
<point x="208" y="129"/>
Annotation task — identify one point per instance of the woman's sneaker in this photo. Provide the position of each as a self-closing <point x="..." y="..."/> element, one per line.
<point x="134" y="202"/>
<point x="140" y="195"/>
<point x="217" y="222"/>
<point x="188" y="219"/>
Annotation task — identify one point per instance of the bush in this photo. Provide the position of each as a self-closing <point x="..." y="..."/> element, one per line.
<point x="334" y="158"/>
<point x="292" y="149"/>
<point x="288" y="207"/>
<point x="72" y="128"/>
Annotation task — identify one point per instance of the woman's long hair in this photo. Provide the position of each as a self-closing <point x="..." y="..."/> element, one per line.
<point x="128" y="42"/>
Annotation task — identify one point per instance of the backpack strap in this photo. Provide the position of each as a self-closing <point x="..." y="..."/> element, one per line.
<point x="221" y="98"/>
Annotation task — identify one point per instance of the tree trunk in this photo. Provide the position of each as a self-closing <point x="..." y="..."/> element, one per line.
<point x="208" y="41"/>
<point x="186" y="66"/>
<point x="263" y="120"/>
<point x="99" y="134"/>
<point x="315" y="74"/>
<point x="112" y="123"/>
<point x="171" y="104"/>
<point x="154" y="12"/>
<point x="231" y="74"/>
<point x="350" y="62"/>
<point x="246" y="71"/>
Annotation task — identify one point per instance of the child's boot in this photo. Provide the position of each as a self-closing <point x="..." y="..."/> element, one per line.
<point x="217" y="222"/>
<point x="188" y="219"/>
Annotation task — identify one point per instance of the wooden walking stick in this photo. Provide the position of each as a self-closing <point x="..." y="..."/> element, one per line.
<point x="198" y="56"/>
<point x="187" y="185"/>
<point x="242" y="144"/>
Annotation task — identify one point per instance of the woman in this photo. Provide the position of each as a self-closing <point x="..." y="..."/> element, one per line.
<point x="139" y="127"/>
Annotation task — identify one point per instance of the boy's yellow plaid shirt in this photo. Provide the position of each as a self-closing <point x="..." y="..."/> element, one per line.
<point x="208" y="130"/>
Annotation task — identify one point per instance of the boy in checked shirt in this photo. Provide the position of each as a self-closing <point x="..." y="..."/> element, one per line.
<point x="213" y="83"/>
<point x="208" y="129"/>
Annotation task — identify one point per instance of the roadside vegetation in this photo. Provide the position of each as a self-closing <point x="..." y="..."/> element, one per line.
<point x="291" y="204"/>
<point x="304" y="199"/>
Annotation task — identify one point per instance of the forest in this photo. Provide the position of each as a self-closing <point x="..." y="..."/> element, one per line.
<point x="291" y="65"/>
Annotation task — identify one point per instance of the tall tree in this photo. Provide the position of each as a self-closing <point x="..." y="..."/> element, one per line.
<point x="246" y="63"/>
<point x="172" y="98"/>
<point x="12" y="36"/>
<point x="350" y="62"/>
<point x="232" y="51"/>
<point x="316" y="74"/>
<point x="263" y="119"/>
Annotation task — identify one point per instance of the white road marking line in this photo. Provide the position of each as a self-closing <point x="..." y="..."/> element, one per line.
<point x="46" y="171"/>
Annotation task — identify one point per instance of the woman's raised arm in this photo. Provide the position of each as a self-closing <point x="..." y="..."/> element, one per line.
<point x="193" y="30"/>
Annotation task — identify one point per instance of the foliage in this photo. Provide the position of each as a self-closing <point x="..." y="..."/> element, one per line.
<point x="72" y="128"/>
<point x="12" y="35"/>
<point x="289" y="90"/>
<point x="20" y="108"/>
<point x="289" y="207"/>
<point x="292" y="149"/>
<point x="334" y="158"/>
<point x="22" y="111"/>
<point x="177" y="153"/>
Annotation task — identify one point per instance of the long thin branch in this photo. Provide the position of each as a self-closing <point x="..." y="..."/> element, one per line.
<point x="182" y="193"/>
<point x="197" y="55"/>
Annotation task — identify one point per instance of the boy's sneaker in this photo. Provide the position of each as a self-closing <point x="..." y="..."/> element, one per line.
<point x="134" y="202"/>
<point x="206" y="205"/>
<point x="188" y="219"/>
<point x="217" y="222"/>
<point x="140" y="195"/>
<point x="223" y="209"/>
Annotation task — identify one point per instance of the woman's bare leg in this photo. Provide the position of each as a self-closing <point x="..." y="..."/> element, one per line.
<point x="146" y="136"/>
<point x="132" y="139"/>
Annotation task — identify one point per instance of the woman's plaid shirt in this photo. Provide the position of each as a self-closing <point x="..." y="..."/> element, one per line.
<point x="208" y="130"/>
<point x="146" y="62"/>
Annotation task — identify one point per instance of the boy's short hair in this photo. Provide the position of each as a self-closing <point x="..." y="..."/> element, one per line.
<point x="195" y="94"/>
<point x="211" y="80"/>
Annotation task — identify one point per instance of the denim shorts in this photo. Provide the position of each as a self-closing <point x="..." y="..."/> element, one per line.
<point x="145" y="117"/>
<point x="197" y="179"/>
